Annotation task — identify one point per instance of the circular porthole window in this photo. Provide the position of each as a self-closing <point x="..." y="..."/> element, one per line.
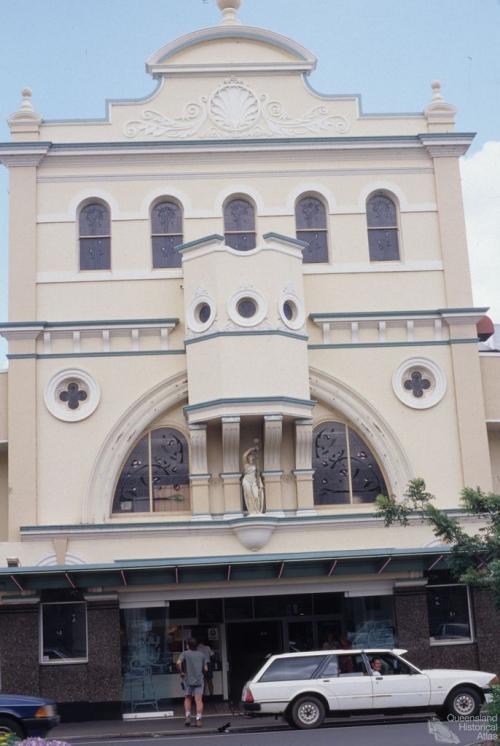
<point x="72" y="395"/>
<point x="201" y="314"/>
<point x="247" y="308"/>
<point x="419" y="383"/>
<point x="291" y="311"/>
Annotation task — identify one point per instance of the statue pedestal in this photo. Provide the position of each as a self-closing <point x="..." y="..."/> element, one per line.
<point x="254" y="532"/>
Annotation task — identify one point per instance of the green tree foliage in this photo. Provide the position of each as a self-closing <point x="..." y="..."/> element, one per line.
<point x="474" y="558"/>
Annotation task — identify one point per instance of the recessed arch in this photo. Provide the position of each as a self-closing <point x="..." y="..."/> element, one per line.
<point x="87" y="195"/>
<point x="97" y="503"/>
<point x="156" y="195"/>
<point x="239" y="190"/>
<point x="370" y="424"/>
<point x="383" y="187"/>
<point x="312" y="189"/>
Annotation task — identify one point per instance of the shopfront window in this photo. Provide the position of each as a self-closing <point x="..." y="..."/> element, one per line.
<point x="449" y="614"/>
<point x="63" y="633"/>
<point x="370" y="622"/>
<point x="152" y="639"/>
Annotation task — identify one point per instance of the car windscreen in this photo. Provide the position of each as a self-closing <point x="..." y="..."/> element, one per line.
<point x="290" y="669"/>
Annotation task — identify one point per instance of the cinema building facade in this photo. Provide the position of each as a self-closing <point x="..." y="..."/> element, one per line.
<point x="239" y="310"/>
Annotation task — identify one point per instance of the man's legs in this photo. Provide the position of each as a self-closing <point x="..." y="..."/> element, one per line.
<point x="198" y="698"/>
<point x="187" y="708"/>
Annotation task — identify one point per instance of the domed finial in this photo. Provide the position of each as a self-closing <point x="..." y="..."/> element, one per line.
<point x="26" y="104"/>
<point x="439" y="113"/>
<point x="228" y="9"/>
<point x="436" y="88"/>
<point x="25" y="113"/>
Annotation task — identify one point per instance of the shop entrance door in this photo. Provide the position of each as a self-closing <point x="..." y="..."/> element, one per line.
<point x="248" y="644"/>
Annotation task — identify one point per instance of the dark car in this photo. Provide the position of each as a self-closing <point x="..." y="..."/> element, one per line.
<point x="27" y="716"/>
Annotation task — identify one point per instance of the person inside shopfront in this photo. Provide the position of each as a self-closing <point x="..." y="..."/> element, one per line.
<point x="192" y="665"/>
<point x="208" y="676"/>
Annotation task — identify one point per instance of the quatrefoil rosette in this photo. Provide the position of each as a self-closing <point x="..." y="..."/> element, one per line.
<point x="419" y="383"/>
<point x="72" y="395"/>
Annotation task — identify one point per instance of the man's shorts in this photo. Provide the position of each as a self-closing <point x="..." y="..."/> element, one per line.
<point x="192" y="691"/>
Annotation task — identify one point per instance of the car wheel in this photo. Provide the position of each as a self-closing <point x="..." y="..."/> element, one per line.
<point x="8" y="726"/>
<point x="463" y="702"/>
<point x="307" y="712"/>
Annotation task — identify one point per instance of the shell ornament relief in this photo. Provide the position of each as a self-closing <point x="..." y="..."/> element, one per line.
<point x="234" y="109"/>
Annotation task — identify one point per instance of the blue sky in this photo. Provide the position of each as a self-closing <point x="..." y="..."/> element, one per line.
<point x="76" y="53"/>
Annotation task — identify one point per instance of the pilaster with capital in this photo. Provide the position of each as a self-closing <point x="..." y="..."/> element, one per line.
<point x="199" y="476"/>
<point x="231" y="475"/>
<point x="303" y="466"/>
<point x="272" y="473"/>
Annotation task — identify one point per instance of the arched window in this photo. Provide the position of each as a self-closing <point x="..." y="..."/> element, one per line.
<point x="345" y="470"/>
<point x="382" y="220"/>
<point x="166" y="234"/>
<point x="95" y="236"/>
<point x="239" y="224"/>
<point x="311" y="226"/>
<point x="155" y="476"/>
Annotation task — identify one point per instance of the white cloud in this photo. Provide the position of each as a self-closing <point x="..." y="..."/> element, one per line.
<point x="481" y="189"/>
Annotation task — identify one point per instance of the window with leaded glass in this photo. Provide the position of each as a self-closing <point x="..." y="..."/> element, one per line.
<point x="382" y="220"/>
<point x="166" y="234"/>
<point x="311" y="227"/>
<point x="155" y="477"/>
<point x="95" y="236"/>
<point x="239" y="224"/>
<point x="345" y="470"/>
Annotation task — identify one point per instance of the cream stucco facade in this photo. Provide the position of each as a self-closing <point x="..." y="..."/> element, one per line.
<point x="233" y="116"/>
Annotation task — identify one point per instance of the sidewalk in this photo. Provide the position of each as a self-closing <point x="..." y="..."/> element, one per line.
<point x="148" y="728"/>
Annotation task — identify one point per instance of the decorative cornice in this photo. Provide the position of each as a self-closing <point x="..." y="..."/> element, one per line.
<point x="368" y="345"/>
<point x="303" y="60"/>
<point x="455" y="313"/>
<point x="446" y="145"/>
<point x="437" y="141"/>
<point x="23" y="153"/>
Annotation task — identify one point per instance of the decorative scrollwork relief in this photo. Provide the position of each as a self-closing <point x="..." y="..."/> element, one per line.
<point x="235" y="109"/>
<point x="158" y="125"/>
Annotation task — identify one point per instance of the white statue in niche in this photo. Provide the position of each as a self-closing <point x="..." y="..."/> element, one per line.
<point x="253" y="488"/>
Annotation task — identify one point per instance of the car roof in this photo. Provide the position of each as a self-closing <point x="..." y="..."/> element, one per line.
<point x="368" y="651"/>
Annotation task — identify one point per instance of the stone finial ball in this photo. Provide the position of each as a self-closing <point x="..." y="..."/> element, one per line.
<point x="226" y="4"/>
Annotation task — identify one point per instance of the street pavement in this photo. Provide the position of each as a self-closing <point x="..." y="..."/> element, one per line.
<point x="270" y="732"/>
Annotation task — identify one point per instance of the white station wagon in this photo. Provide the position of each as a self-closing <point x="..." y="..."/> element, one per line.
<point x="306" y="687"/>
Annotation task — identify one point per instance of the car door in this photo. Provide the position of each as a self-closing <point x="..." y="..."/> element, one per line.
<point x="397" y="684"/>
<point x="347" y="682"/>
